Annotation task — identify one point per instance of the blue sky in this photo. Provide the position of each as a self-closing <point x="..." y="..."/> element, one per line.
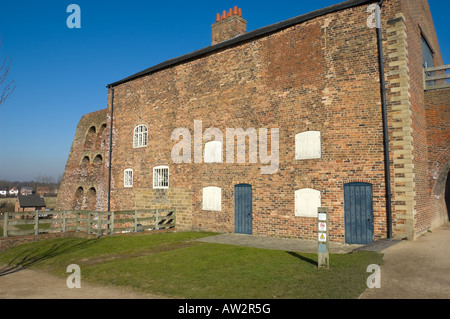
<point x="61" y="73"/>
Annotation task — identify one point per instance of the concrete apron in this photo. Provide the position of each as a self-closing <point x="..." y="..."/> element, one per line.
<point x="286" y="244"/>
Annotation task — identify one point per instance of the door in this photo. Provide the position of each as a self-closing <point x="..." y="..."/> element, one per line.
<point x="358" y="213"/>
<point x="243" y="209"/>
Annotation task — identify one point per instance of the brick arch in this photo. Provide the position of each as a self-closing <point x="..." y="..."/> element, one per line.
<point x="85" y="160"/>
<point x="439" y="187"/>
<point x="91" y="198"/>
<point x="90" y="136"/>
<point x="98" y="159"/>
<point x="78" y="198"/>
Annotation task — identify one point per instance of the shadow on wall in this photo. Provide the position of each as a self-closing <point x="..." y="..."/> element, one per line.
<point x="447" y="195"/>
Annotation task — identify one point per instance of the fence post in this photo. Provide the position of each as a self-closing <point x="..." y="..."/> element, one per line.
<point x="135" y="221"/>
<point x="156" y="219"/>
<point x="89" y="222"/>
<point x="99" y="223"/>
<point x="112" y="223"/>
<point x="63" y="222"/>
<point x="5" y="224"/>
<point x="36" y="223"/>
<point x="174" y="217"/>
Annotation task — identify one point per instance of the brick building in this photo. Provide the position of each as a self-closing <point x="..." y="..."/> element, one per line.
<point x="305" y="100"/>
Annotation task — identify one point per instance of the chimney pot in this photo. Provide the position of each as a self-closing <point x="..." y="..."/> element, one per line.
<point x="228" y="25"/>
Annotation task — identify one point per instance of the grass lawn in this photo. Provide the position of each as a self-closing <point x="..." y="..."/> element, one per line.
<point x="172" y="264"/>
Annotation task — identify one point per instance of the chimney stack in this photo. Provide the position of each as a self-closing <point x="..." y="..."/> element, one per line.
<point x="228" y="25"/>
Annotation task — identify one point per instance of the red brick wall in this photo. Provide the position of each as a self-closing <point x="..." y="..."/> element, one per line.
<point x="320" y="75"/>
<point x="419" y="20"/>
<point x="437" y="105"/>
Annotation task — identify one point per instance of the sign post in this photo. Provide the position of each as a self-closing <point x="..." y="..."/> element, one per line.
<point x="323" y="260"/>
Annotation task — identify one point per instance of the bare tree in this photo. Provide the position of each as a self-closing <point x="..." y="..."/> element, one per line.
<point x="5" y="88"/>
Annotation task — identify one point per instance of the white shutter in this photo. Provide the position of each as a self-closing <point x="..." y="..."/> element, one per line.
<point x="213" y="152"/>
<point x="308" y="145"/>
<point x="212" y="198"/>
<point x="307" y="201"/>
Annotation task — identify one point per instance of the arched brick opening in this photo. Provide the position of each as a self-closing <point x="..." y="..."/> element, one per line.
<point x="91" y="199"/>
<point x="78" y="200"/>
<point x="90" y="137"/>
<point x="441" y="189"/>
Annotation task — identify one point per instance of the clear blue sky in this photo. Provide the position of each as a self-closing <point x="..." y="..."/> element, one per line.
<point x="62" y="73"/>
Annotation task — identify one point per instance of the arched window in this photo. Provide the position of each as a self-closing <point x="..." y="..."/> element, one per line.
<point x="213" y="152"/>
<point x="212" y="198"/>
<point x="161" y="177"/>
<point x="140" y="136"/>
<point x="307" y="201"/>
<point x="308" y="145"/>
<point x="128" y="178"/>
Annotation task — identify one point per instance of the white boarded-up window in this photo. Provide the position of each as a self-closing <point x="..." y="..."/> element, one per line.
<point x="161" y="177"/>
<point x="212" y="198"/>
<point x="307" y="201"/>
<point x="128" y="178"/>
<point x="308" y="145"/>
<point x="213" y="152"/>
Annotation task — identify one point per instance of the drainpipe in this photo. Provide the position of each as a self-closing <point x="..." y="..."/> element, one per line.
<point x="385" y="122"/>
<point x="110" y="149"/>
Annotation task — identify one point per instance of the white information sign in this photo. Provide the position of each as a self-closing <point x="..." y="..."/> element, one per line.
<point x="322" y="216"/>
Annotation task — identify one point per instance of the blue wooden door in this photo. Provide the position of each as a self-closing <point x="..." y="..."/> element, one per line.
<point x="358" y="207"/>
<point x="243" y="209"/>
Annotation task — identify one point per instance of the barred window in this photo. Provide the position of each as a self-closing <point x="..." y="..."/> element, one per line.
<point x="140" y="136"/>
<point x="128" y="178"/>
<point x="161" y="177"/>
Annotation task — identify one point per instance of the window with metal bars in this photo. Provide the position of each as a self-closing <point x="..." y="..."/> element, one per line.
<point x="140" y="136"/>
<point x="161" y="177"/>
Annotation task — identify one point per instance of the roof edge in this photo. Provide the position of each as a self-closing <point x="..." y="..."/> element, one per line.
<point x="244" y="38"/>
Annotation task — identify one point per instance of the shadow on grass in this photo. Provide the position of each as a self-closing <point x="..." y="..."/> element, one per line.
<point x="306" y="259"/>
<point x="45" y="251"/>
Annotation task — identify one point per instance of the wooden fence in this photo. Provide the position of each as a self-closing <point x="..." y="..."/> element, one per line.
<point x="436" y="77"/>
<point x="91" y="222"/>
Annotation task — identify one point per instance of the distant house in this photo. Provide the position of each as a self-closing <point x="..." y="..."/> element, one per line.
<point x="3" y="192"/>
<point x="43" y="190"/>
<point x="13" y="191"/>
<point x="29" y="203"/>
<point x="26" y="191"/>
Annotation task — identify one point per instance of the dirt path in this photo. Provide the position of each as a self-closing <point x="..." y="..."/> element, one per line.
<point x="33" y="284"/>
<point x="417" y="269"/>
